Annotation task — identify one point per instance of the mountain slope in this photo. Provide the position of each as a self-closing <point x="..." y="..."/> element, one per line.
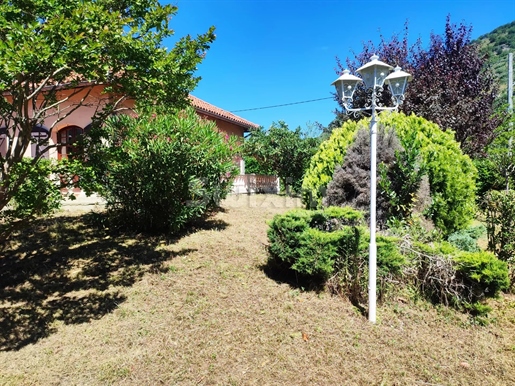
<point x="496" y="45"/>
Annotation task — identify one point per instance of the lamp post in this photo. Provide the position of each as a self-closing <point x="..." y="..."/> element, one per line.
<point x="374" y="74"/>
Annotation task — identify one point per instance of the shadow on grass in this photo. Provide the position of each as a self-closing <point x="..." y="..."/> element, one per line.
<point x="281" y="274"/>
<point x="64" y="269"/>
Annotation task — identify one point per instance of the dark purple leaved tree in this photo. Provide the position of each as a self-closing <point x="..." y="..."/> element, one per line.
<point x="452" y="84"/>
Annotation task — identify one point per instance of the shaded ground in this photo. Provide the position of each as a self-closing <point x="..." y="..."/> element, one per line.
<point x="84" y="306"/>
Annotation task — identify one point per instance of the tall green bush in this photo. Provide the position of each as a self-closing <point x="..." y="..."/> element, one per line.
<point x="451" y="174"/>
<point x="160" y="171"/>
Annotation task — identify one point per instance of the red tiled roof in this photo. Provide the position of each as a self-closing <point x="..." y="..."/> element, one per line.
<point x="209" y="109"/>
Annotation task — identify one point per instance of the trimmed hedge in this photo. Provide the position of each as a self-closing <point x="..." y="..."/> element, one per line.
<point x="331" y="247"/>
<point x="317" y="245"/>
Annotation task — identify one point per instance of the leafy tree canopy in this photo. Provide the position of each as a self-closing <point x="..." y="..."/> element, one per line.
<point x="48" y="45"/>
<point x="282" y="151"/>
<point x="452" y="83"/>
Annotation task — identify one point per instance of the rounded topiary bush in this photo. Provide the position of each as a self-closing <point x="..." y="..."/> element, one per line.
<point x="330" y="247"/>
<point x="451" y="174"/>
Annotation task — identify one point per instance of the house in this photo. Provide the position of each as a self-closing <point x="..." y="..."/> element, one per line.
<point x="88" y="99"/>
<point x="82" y="102"/>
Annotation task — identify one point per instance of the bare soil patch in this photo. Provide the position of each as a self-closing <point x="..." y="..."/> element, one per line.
<point x="80" y="305"/>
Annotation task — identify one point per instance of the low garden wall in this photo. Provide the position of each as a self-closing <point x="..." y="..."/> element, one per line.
<point x="255" y="183"/>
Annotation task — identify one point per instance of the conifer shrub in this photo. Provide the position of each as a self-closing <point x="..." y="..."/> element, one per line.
<point x="330" y="246"/>
<point x="483" y="273"/>
<point x="321" y="168"/>
<point x="456" y="278"/>
<point x="337" y="256"/>
<point x="451" y="174"/>
<point x="466" y="239"/>
<point x="351" y="182"/>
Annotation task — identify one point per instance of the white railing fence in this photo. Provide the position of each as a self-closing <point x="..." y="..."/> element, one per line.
<point x="255" y="183"/>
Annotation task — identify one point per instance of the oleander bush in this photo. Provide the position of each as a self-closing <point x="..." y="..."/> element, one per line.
<point x="161" y="171"/>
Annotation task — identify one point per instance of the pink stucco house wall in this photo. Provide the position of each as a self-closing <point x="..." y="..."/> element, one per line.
<point x="91" y="98"/>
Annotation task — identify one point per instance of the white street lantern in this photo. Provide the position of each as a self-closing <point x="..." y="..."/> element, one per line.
<point x="375" y="73"/>
<point x="346" y="85"/>
<point x="397" y="81"/>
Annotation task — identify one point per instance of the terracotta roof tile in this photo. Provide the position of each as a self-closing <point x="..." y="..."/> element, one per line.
<point x="209" y="109"/>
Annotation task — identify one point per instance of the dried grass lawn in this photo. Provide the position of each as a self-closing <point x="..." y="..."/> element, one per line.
<point x="80" y="306"/>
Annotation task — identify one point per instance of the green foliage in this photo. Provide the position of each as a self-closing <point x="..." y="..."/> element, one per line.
<point x="500" y="224"/>
<point x="457" y="278"/>
<point x="46" y="46"/>
<point x="323" y="163"/>
<point x="400" y="184"/>
<point x="390" y="260"/>
<point x="321" y="244"/>
<point x="451" y="174"/>
<point x="252" y="166"/>
<point x="338" y="257"/>
<point x="483" y="273"/>
<point x="317" y="252"/>
<point x="280" y="151"/>
<point x="466" y="239"/>
<point x="498" y="163"/>
<point x="161" y="171"/>
<point x="39" y="194"/>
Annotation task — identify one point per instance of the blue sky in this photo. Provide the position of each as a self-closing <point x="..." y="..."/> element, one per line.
<point x="276" y="52"/>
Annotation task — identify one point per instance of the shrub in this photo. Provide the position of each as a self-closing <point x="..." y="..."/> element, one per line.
<point x="451" y="174"/>
<point x="322" y="165"/>
<point x="38" y="194"/>
<point x="338" y="257"/>
<point x="351" y="182"/>
<point x="301" y="241"/>
<point x="404" y="185"/>
<point x="500" y="223"/>
<point x="483" y="273"/>
<point x="457" y="278"/>
<point x="161" y="171"/>
<point x="466" y="239"/>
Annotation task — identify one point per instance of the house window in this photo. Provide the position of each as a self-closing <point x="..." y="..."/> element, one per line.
<point x="39" y="141"/>
<point x="68" y="139"/>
